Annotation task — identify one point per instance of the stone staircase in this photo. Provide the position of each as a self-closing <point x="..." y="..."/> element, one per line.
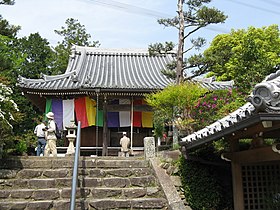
<point x="44" y="183"/>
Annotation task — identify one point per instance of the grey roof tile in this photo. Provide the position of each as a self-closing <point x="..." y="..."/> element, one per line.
<point x="227" y="121"/>
<point x="112" y="69"/>
<point x="107" y="69"/>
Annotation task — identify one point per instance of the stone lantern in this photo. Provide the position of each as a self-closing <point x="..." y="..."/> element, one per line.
<point x="71" y="136"/>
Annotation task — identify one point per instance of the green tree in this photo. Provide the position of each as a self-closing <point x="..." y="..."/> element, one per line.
<point x="7" y="2"/>
<point x="8" y="30"/>
<point x="178" y="101"/>
<point x="192" y="16"/>
<point x="244" y="55"/>
<point x="28" y="57"/>
<point x="8" y="56"/>
<point x="8" y="111"/>
<point x="38" y="56"/>
<point x="74" y="33"/>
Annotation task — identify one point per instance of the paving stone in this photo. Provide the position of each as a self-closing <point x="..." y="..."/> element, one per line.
<point x="141" y="171"/>
<point x="34" y="163"/>
<point x="134" y="192"/>
<point x="62" y="205"/>
<point x="15" y="205"/>
<point x="8" y="174"/>
<point x="110" y="204"/>
<point x="36" y="205"/>
<point x="91" y="163"/>
<point x="151" y="191"/>
<point x="29" y="173"/>
<point x="119" y="164"/>
<point x="4" y="194"/>
<point x="92" y="172"/>
<point x="45" y="194"/>
<point x="116" y="182"/>
<point x="41" y="183"/>
<point x="144" y="181"/>
<point x="56" y="173"/>
<point x="91" y="182"/>
<point x="151" y="203"/>
<point x="65" y="205"/>
<point x="19" y="183"/>
<point x="80" y="192"/>
<point x="63" y="182"/>
<point x="21" y="193"/>
<point x="105" y="192"/>
<point x="119" y="172"/>
<point x="6" y="183"/>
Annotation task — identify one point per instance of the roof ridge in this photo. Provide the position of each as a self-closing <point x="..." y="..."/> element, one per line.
<point x="124" y="51"/>
<point x="111" y="50"/>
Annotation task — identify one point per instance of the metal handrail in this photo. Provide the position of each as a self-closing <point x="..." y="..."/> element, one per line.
<point x="75" y="168"/>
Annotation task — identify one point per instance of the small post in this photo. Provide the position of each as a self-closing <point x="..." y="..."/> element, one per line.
<point x="71" y="136"/>
<point x="149" y="147"/>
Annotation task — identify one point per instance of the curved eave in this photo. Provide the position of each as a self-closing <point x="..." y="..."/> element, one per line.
<point x="240" y="126"/>
<point x="88" y="91"/>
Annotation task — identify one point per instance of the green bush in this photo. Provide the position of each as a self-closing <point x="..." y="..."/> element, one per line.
<point x="21" y="148"/>
<point x="202" y="188"/>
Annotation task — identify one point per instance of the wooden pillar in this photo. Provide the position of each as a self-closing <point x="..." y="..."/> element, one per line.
<point x="105" y="129"/>
<point x="238" y="197"/>
<point x="131" y="125"/>
<point x="236" y="171"/>
<point x="233" y="145"/>
<point x="96" y="126"/>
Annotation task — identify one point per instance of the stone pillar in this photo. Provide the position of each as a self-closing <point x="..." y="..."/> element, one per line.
<point x="149" y="147"/>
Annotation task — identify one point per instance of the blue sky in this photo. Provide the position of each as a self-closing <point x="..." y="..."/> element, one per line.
<point x="131" y="24"/>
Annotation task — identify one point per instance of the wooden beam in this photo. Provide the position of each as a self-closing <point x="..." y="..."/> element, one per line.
<point x="127" y="107"/>
<point x="253" y="155"/>
<point x="250" y="132"/>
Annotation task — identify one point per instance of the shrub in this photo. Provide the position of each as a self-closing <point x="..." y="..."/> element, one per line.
<point x="202" y="188"/>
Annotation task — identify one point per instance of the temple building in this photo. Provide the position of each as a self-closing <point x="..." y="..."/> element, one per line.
<point x="256" y="169"/>
<point x="104" y="89"/>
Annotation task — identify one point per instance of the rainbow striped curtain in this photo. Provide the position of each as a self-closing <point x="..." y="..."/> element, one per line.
<point x="84" y="109"/>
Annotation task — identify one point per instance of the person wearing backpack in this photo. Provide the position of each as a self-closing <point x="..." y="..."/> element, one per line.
<point x="41" y="139"/>
<point x="50" y="136"/>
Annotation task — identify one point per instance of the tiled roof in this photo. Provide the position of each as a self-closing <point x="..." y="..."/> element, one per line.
<point x="264" y="98"/>
<point x="212" y="84"/>
<point x="226" y="122"/>
<point x="91" y="68"/>
<point x="115" y="70"/>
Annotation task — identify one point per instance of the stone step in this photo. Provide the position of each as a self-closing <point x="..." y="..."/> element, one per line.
<point x="37" y="183"/>
<point x="92" y="193"/>
<point x="67" y="172"/>
<point x="90" y="204"/>
<point x="29" y="183"/>
<point x="67" y="162"/>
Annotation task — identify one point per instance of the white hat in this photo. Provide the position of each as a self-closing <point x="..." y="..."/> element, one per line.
<point x="124" y="133"/>
<point x="50" y="115"/>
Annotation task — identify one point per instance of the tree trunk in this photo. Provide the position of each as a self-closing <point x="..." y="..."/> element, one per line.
<point x="179" y="69"/>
